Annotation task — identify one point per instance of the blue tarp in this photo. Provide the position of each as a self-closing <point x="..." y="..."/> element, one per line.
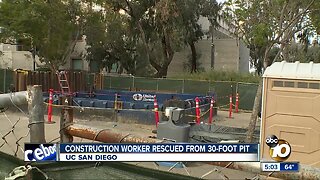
<point x="129" y="99"/>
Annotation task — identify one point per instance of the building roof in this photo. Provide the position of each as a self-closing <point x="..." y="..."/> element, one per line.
<point x="297" y="70"/>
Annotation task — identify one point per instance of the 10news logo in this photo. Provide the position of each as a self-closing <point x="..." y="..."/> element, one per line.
<point x="279" y="149"/>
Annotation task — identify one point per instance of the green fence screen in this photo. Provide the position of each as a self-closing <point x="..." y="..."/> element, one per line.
<point x="247" y="93"/>
<point x="223" y="89"/>
<point x="170" y="85"/>
<point x="6" y="79"/>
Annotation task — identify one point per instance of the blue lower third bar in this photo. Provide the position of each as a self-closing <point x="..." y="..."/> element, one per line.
<point x="289" y="166"/>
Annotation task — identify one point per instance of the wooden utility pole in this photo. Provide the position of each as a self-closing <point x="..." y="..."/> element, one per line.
<point x="36" y="114"/>
<point x="66" y="119"/>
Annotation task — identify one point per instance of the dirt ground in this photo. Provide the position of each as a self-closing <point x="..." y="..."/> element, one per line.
<point x="20" y="135"/>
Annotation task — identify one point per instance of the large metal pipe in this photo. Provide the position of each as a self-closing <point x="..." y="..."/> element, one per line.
<point x="9" y="99"/>
<point x="106" y="135"/>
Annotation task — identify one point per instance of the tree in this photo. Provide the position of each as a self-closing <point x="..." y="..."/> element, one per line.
<point x="111" y="40"/>
<point x="166" y="26"/>
<point x="315" y="16"/>
<point x="190" y="13"/>
<point x="298" y="52"/>
<point x="155" y="23"/>
<point x="105" y="34"/>
<point x="263" y="25"/>
<point x="53" y="27"/>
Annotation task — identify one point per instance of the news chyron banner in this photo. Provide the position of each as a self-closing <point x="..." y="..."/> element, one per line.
<point x="159" y="152"/>
<point x="145" y="152"/>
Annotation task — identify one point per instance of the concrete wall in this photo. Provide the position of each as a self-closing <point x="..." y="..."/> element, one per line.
<point x="226" y="54"/>
<point x="78" y="53"/>
<point x="22" y="60"/>
<point x="13" y="59"/>
<point x="229" y="55"/>
<point x="244" y="58"/>
<point x="176" y="65"/>
<point x="203" y="48"/>
<point x="5" y="60"/>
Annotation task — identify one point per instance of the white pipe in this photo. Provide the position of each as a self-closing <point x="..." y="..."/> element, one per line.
<point x="11" y="99"/>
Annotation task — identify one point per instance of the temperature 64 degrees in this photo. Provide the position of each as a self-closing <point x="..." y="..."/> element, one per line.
<point x="289" y="166"/>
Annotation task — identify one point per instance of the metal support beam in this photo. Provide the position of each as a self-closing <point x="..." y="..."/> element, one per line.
<point x="36" y="114"/>
<point x="9" y="99"/>
<point x="106" y="135"/>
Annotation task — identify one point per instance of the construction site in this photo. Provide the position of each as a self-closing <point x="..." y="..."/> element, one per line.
<point x="66" y="113"/>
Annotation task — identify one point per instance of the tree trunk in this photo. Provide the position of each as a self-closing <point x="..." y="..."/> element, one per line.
<point x="193" y="57"/>
<point x="257" y="100"/>
<point x="144" y="41"/>
<point x="163" y="71"/>
<point x="167" y="56"/>
<point x="255" y="111"/>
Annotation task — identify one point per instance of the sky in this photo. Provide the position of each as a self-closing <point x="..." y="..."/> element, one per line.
<point x="219" y="1"/>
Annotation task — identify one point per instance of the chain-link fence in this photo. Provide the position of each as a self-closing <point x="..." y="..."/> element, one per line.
<point x="14" y="130"/>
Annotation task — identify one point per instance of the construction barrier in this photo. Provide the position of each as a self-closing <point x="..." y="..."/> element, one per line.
<point x="117" y="104"/>
<point x="230" y="106"/>
<point x="50" y="106"/>
<point x="197" y="111"/>
<point x="115" y="101"/>
<point x="237" y="103"/>
<point x="211" y="110"/>
<point x="156" y="111"/>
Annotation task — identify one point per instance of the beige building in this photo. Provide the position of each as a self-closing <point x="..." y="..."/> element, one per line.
<point x="12" y="57"/>
<point x="291" y="110"/>
<point x="218" y="50"/>
<point x="231" y="54"/>
<point x="77" y="60"/>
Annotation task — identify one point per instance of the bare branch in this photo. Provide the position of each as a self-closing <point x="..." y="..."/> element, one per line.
<point x="294" y="19"/>
<point x="278" y="54"/>
<point x="130" y="12"/>
<point x="282" y="13"/>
